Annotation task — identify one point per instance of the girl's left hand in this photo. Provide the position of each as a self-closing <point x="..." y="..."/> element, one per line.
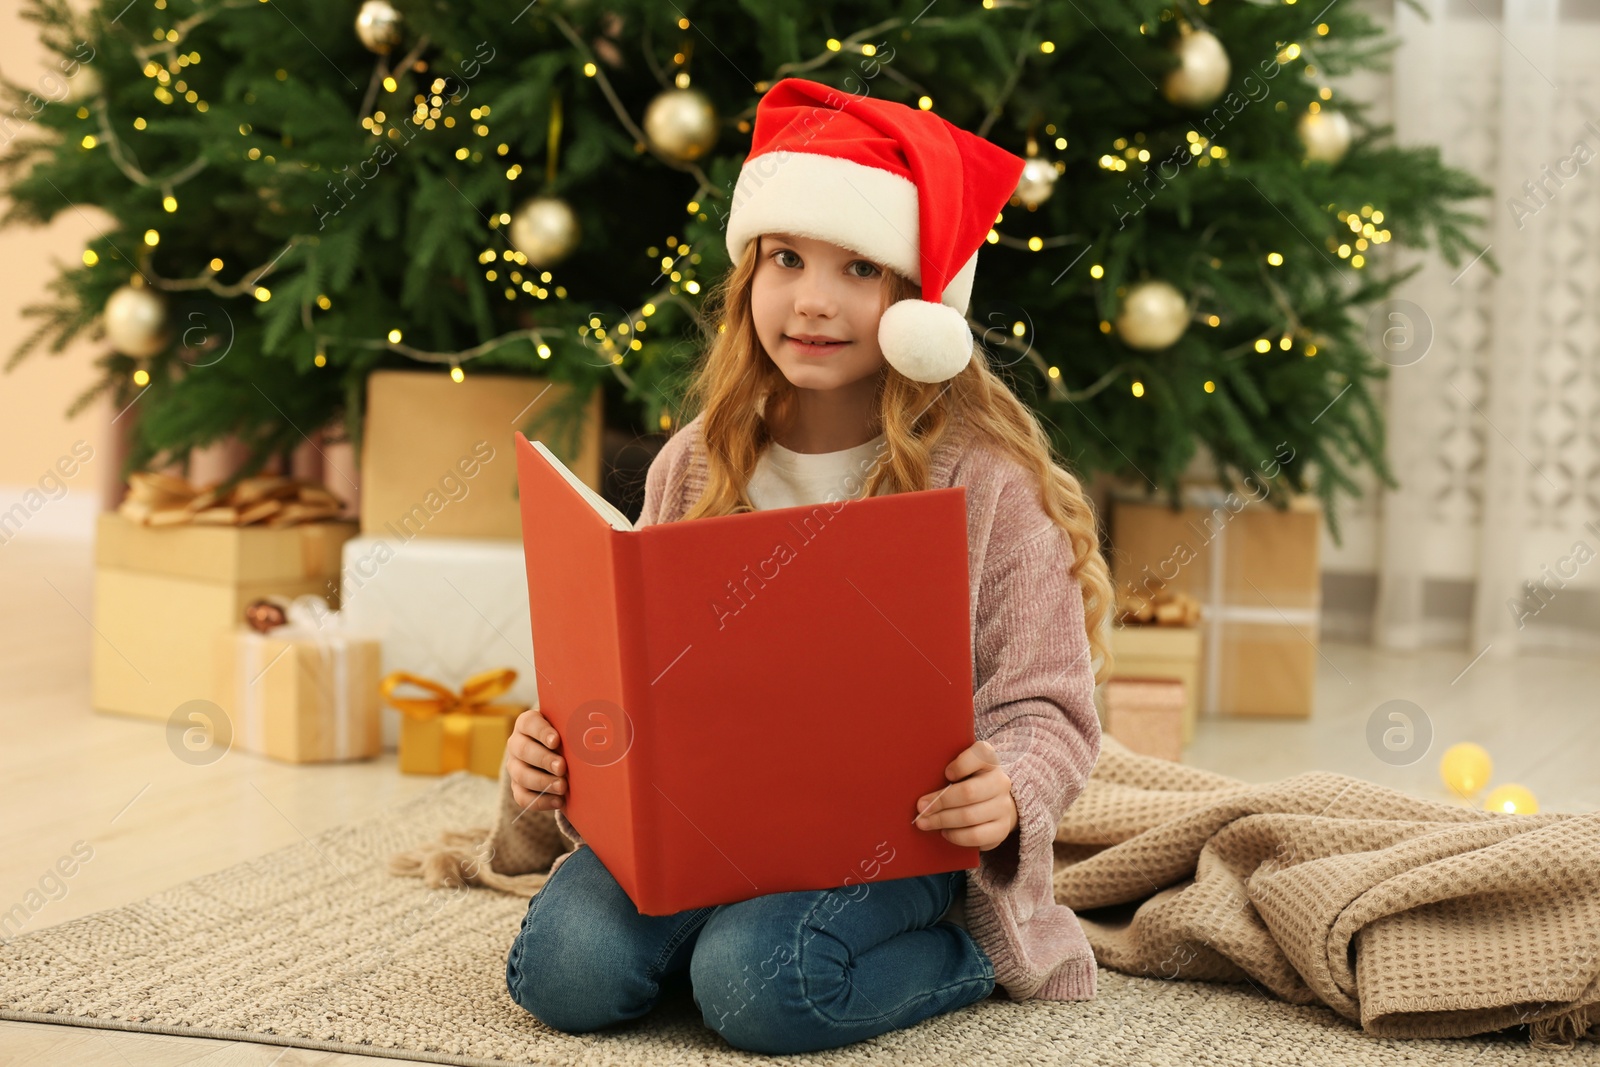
<point x="977" y="808"/>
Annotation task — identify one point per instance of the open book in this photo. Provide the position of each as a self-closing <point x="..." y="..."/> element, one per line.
<point x="750" y="704"/>
<point x="605" y="508"/>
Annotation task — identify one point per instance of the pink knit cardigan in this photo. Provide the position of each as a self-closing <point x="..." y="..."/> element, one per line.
<point x="1033" y="698"/>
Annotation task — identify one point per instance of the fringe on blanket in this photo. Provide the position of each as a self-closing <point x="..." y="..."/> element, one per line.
<point x="461" y="858"/>
<point x="1564" y="1030"/>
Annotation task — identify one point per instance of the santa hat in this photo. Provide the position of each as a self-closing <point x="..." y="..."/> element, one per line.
<point x="901" y="186"/>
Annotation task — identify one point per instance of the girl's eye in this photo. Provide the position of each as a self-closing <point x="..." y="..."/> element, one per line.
<point x="871" y="272"/>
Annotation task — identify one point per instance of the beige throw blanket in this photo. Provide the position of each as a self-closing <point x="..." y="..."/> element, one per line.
<point x="1411" y="917"/>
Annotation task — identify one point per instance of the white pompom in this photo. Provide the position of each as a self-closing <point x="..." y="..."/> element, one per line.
<point x="926" y="342"/>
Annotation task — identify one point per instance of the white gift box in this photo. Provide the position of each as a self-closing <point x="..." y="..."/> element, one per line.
<point x="443" y="607"/>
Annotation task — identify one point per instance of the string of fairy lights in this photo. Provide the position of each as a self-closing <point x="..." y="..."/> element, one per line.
<point x="679" y="128"/>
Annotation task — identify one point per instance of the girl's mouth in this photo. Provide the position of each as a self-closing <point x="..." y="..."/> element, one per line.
<point x="812" y="349"/>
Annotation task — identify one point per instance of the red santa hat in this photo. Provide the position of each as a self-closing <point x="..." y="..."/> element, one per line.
<point x="900" y="186"/>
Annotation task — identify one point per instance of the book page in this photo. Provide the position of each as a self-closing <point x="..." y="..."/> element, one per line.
<point x="603" y="507"/>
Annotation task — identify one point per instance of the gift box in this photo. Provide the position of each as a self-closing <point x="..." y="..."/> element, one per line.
<point x="446" y="731"/>
<point x="163" y="593"/>
<point x="1162" y="652"/>
<point x="1146" y="714"/>
<point x="1256" y="573"/>
<point x="303" y="692"/>
<point x="445" y="608"/>
<point x="437" y="457"/>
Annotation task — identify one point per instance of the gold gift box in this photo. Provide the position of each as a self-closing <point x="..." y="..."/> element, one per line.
<point x="423" y="743"/>
<point x="162" y="594"/>
<point x="459" y="478"/>
<point x="450" y="731"/>
<point x="301" y="698"/>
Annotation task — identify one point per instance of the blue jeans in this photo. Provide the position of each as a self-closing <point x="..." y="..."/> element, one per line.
<point x="781" y="973"/>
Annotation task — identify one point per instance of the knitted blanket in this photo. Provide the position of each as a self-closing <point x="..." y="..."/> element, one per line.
<point x="1412" y="917"/>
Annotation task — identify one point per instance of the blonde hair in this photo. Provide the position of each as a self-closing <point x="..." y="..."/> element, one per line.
<point x="737" y="387"/>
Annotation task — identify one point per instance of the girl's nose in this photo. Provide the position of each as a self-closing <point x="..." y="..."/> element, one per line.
<point x="814" y="298"/>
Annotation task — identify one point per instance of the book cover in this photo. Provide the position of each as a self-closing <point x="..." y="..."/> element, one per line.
<point x="752" y="703"/>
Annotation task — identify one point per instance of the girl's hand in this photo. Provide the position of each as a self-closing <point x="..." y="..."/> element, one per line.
<point x="977" y="808"/>
<point x="538" y="775"/>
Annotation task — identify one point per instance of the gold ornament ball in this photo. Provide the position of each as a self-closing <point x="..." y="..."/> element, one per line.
<point x="681" y="124"/>
<point x="378" y="25"/>
<point x="1465" y="768"/>
<point x="1038" y="181"/>
<point x="83" y="84"/>
<point x="136" y="321"/>
<point x="1153" y="315"/>
<point x="545" y="229"/>
<point x="1202" y="71"/>
<point x="1325" y="135"/>
<point x="1511" y="799"/>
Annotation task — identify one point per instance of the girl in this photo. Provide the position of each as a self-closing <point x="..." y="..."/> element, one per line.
<point x="829" y="378"/>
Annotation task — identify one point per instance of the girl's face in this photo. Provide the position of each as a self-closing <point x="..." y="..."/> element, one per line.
<point x="805" y="288"/>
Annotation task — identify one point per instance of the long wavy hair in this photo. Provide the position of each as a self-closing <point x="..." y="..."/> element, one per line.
<point x="739" y="389"/>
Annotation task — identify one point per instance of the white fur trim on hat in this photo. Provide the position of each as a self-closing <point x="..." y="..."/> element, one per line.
<point x="926" y="342"/>
<point x="865" y="209"/>
<point x="958" y="290"/>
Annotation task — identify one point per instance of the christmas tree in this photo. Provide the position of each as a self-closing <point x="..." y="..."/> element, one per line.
<point x="305" y="192"/>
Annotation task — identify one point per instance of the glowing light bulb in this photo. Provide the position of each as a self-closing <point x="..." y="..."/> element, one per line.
<point x="1511" y="799"/>
<point x="1465" y="768"/>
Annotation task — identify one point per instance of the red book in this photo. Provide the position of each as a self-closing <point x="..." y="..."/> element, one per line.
<point x="751" y="704"/>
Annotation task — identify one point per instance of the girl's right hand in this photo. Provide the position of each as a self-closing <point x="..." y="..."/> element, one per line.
<point x="538" y="775"/>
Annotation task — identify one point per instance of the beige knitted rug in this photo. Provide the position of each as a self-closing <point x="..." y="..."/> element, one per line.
<point x="316" y="945"/>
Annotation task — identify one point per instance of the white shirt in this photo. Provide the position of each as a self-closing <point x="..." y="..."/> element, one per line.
<point x="784" y="478"/>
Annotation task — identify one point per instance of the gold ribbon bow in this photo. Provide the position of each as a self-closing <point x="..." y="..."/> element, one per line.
<point x="156" y="499"/>
<point x="454" y="709"/>
<point x="1167" y="607"/>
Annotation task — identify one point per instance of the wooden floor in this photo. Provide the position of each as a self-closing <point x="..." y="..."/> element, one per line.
<point x="72" y="775"/>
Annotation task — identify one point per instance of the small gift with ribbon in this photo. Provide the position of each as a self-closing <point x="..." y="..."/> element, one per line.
<point x="448" y="731"/>
<point x="298" y="686"/>
<point x="156" y="499"/>
<point x="1150" y="700"/>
